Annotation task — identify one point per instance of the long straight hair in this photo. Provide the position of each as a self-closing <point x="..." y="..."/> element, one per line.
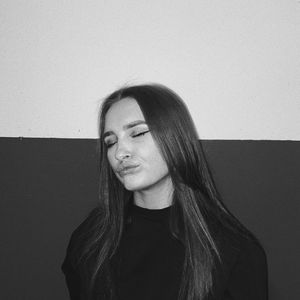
<point x="197" y="207"/>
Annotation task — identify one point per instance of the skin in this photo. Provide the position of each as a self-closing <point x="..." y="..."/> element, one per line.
<point x="130" y="143"/>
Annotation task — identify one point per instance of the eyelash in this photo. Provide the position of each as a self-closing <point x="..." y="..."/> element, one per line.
<point x="133" y="135"/>
<point x="140" y="133"/>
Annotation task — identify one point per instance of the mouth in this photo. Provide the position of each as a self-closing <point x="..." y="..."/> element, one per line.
<point x="127" y="170"/>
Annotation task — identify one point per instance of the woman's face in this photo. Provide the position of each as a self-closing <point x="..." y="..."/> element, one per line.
<point x="131" y="150"/>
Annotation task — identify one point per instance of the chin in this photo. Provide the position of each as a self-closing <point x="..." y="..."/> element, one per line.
<point x="133" y="185"/>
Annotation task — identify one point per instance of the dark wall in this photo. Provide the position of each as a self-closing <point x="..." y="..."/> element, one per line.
<point x="49" y="185"/>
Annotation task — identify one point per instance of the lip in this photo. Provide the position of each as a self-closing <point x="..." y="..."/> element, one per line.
<point x="126" y="170"/>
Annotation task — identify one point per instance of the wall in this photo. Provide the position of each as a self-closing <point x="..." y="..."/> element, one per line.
<point x="234" y="62"/>
<point x="236" y="65"/>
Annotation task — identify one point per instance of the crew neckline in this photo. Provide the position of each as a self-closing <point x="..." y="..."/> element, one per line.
<point x="154" y="214"/>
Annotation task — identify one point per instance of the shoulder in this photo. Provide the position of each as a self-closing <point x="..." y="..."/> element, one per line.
<point x="85" y="226"/>
<point x="78" y="236"/>
<point x="243" y="271"/>
<point x="237" y="249"/>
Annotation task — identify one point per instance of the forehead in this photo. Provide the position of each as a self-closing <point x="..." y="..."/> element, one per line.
<point x="123" y="112"/>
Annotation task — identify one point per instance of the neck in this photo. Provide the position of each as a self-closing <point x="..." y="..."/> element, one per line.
<point x="156" y="197"/>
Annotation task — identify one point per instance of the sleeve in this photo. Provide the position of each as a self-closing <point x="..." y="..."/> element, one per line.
<point x="72" y="277"/>
<point x="248" y="278"/>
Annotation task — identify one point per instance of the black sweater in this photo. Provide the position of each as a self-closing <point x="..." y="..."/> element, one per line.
<point x="148" y="263"/>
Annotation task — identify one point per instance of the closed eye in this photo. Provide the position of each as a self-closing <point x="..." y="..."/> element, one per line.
<point x="109" y="142"/>
<point x="108" y="145"/>
<point x="140" y="133"/>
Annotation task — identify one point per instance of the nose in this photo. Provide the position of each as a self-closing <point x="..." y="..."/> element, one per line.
<point x="122" y="151"/>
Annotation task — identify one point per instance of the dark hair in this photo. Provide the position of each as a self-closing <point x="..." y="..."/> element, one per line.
<point x="197" y="211"/>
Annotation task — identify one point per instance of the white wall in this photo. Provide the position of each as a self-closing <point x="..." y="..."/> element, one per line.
<point x="235" y="63"/>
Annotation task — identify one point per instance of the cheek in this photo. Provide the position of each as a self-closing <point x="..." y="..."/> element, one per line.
<point x="157" y="163"/>
<point x="161" y="168"/>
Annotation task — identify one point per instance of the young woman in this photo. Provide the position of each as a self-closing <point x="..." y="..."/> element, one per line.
<point x="160" y="230"/>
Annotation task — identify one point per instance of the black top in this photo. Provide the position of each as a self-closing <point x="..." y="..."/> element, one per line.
<point x="148" y="263"/>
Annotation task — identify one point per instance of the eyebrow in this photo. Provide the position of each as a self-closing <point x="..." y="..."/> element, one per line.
<point x="125" y="127"/>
